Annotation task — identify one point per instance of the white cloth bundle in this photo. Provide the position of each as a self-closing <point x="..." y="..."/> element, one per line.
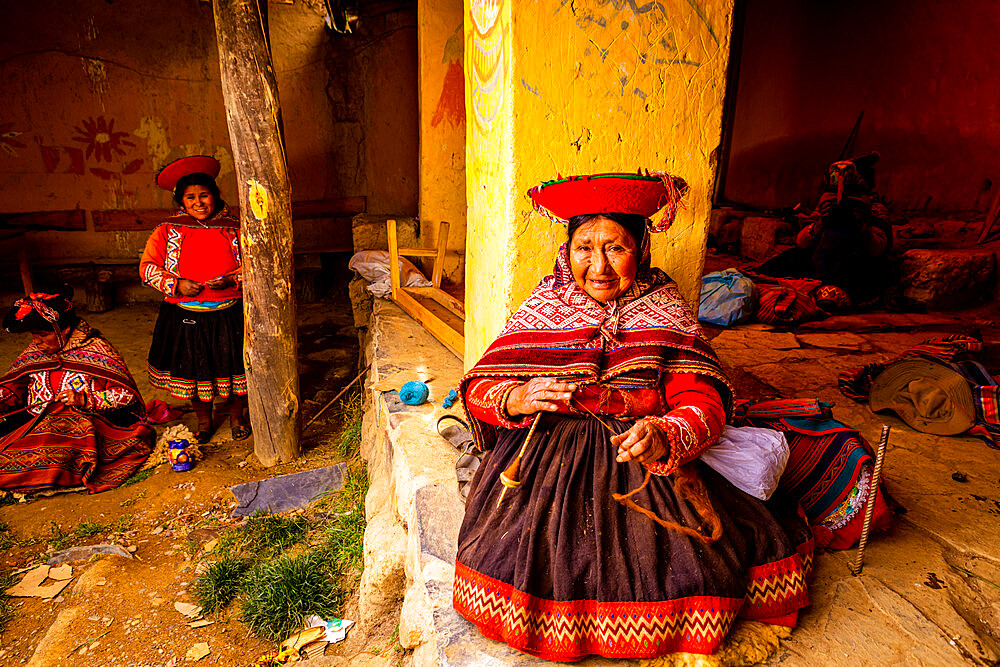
<point x="752" y="459"/>
<point x="373" y="265"/>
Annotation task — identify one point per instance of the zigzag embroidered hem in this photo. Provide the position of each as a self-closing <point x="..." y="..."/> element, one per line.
<point x="204" y="390"/>
<point x="569" y="630"/>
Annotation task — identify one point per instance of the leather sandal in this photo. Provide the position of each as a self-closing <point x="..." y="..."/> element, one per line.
<point x="240" y="432"/>
<point x="203" y="436"/>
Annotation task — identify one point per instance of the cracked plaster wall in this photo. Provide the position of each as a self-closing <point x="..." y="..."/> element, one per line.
<point x="100" y="95"/>
<point x="583" y="86"/>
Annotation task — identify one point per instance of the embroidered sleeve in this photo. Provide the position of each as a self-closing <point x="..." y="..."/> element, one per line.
<point x="694" y="421"/>
<point x="99" y="394"/>
<point x="110" y="398"/>
<point x="486" y="400"/>
<point x="152" y="266"/>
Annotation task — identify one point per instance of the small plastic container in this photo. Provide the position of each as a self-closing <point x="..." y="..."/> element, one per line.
<point x="177" y="452"/>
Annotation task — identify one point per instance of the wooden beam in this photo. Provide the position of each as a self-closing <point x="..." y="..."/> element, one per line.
<point x="442" y="297"/>
<point x="72" y="219"/>
<point x="441" y="314"/>
<point x="390" y="226"/>
<point x="253" y="113"/>
<point x="118" y="220"/>
<point x="445" y="329"/>
<point x="439" y="257"/>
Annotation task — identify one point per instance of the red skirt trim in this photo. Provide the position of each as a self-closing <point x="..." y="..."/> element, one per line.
<point x="775" y="589"/>
<point x="565" y="631"/>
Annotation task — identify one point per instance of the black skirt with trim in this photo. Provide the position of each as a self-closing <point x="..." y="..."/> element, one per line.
<point x="198" y="354"/>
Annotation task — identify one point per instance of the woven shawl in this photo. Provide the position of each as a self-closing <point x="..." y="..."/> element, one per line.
<point x="629" y="343"/>
<point x="86" y="351"/>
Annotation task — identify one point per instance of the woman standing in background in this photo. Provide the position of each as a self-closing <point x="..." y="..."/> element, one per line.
<point x="193" y="257"/>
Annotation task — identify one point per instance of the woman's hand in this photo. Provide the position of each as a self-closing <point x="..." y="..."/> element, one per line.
<point x="189" y="287"/>
<point x="644" y="442"/>
<point x="222" y="282"/>
<point x="539" y="394"/>
<point x="72" y="398"/>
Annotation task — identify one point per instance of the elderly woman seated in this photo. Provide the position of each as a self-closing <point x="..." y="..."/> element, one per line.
<point x="70" y="413"/>
<point x="591" y="526"/>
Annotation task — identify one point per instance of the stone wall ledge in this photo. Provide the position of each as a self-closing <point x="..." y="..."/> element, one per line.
<point x="413" y="508"/>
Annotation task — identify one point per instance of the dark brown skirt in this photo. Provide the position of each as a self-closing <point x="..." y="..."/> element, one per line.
<point x="561" y="570"/>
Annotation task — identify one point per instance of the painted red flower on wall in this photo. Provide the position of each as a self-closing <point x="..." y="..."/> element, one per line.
<point x="7" y="140"/>
<point x="101" y="139"/>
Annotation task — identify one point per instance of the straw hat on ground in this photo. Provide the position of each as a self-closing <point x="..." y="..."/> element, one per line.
<point x="927" y="395"/>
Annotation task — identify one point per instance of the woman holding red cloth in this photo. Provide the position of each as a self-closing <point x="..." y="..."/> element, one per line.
<point x="194" y="259"/>
<point x="591" y="526"/>
<point x="70" y="413"/>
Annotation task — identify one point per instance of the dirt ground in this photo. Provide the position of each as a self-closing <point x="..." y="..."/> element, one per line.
<point x="119" y="611"/>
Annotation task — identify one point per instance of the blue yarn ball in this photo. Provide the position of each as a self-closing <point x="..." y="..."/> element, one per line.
<point x="414" y="392"/>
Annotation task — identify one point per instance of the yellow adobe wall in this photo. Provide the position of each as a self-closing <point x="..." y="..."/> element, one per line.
<point x="583" y="87"/>
<point x="442" y="127"/>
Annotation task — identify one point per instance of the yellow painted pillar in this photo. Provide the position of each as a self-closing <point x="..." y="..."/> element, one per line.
<point x="442" y="128"/>
<point x="565" y="87"/>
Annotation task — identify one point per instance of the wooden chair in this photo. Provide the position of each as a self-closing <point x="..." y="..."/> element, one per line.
<point x="439" y="312"/>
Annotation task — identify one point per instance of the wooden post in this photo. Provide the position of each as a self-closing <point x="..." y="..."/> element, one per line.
<point x="254" y="117"/>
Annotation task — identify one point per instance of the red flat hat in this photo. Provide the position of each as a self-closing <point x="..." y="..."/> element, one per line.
<point x="602" y="193"/>
<point x="193" y="164"/>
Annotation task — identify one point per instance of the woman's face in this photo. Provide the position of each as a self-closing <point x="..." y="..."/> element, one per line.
<point x="198" y="202"/>
<point x="603" y="257"/>
<point x="47" y="341"/>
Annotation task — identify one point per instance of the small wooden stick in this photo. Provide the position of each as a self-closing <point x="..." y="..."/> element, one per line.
<point x="510" y="478"/>
<point x="872" y="494"/>
<point x="334" y="399"/>
<point x="591" y="412"/>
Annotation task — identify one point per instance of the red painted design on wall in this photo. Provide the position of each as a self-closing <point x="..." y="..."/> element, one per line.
<point x="101" y="139"/>
<point x="52" y="156"/>
<point x="451" y="103"/>
<point x="8" y="142"/>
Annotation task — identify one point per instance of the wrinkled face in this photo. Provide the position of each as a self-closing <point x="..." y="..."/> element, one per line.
<point x="604" y="259"/>
<point x="47" y="341"/>
<point x="198" y="202"/>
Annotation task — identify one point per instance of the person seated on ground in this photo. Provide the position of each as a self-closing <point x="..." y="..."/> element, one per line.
<point x="591" y="526"/>
<point x="71" y="413"/>
<point x="194" y="258"/>
<point x="844" y="242"/>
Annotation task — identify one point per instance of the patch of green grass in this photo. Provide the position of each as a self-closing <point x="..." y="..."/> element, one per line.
<point x="123" y="524"/>
<point x="281" y="592"/>
<point x="218" y="585"/>
<point x="343" y="535"/>
<point x="138" y="477"/>
<point x="272" y="534"/>
<point x="230" y="545"/>
<point x="6" y="608"/>
<point x="192" y="548"/>
<point x="59" y="539"/>
<point x="89" y="529"/>
<point x="350" y="414"/>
